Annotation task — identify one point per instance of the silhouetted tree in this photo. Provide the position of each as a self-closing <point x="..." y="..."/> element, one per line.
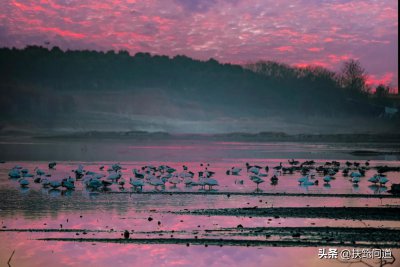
<point x="382" y="90"/>
<point x="353" y="76"/>
<point x="36" y="81"/>
<point x="382" y="95"/>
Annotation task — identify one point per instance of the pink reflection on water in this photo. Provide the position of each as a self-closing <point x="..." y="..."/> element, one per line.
<point x="42" y="209"/>
<point x="36" y="253"/>
<point x="229" y="183"/>
<point x="166" y="147"/>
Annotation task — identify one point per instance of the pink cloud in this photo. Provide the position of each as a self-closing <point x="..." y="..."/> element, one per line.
<point x="285" y="49"/>
<point x="327" y="32"/>
<point x="301" y="65"/>
<point x="374" y="80"/>
<point x="338" y="58"/>
<point x="63" y="33"/>
<point x="328" y="40"/>
<point x="315" y="49"/>
<point x="28" y="7"/>
<point x="312" y="63"/>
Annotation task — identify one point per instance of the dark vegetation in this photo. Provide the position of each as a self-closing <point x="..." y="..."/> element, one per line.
<point x="355" y="213"/>
<point x="41" y="87"/>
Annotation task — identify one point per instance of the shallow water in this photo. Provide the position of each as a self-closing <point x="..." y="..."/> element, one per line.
<point x="94" y="150"/>
<point x="227" y="183"/>
<point x="107" y="215"/>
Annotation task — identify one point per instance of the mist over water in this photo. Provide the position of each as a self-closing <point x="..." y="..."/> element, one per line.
<point x="186" y="150"/>
<point x="79" y="91"/>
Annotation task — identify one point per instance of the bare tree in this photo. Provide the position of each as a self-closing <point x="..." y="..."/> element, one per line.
<point x="353" y="76"/>
<point x="382" y="90"/>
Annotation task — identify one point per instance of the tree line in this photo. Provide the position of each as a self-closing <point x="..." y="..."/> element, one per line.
<point x="38" y="81"/>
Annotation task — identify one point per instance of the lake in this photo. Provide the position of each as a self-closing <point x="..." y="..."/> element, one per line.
<point x="234" y="224"/>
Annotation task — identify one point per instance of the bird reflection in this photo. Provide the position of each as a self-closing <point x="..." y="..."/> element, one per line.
<point x="356" y="188"/>
<point x="55" y="192"/>
<point x="327" y="186"/>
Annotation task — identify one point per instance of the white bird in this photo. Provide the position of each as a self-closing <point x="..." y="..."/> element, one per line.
<point x="355" y="180"/>
<point x="79" y="172"/>
<point x="45" y="182"/>
<point x="305" y="182"/>
<point x="150" y="177"/>
<point x="188" y="181"/>
<point x="27" y="174"/>
<point x="175" y="180"/>
<point x="154" y="181"/>
<point x="186" y="175"/>
<point x="170" y="170"/>
<point x="374" y="179"/>
<point x="308" y="183"/>
<point x="236" y="171"/>
<point x="55" y="184"/>
<point x="254" y="170"/>
<point x="327" y="179"/>
<point x="355" y="174"/>
<point x="23" y="182"/>
<point x="39" y="172"/>
<point x="136" y="183"/>
<point x="150" y="167"/>
<point x="303" y="179"/>
<point x="262" y="174"/>
<point x="331" y="172"/>
<point x="383" y="180"/>
<point x="116" y="167"/>
<point x="114" y="176"/>
<point x="208" y="174"/>
<point x="69" y="179"/>
<point x="14" y="173"/>
<point x="168" y="175"/>
<point x="210" y="182"/>
<point x="94" y="184"/>
<point x="257" y="180"/>
<point x="374" y="188"/>
<point x="137" y="174"/>
<point x="201" y="182"/>
<point x="68" y="184"/>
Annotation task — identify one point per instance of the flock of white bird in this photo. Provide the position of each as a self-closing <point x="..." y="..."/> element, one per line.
<point x="159" y="176"/>
<point x="155" y="176"/>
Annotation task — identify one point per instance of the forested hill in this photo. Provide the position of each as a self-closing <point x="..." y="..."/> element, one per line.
<point x="90" y="90"/>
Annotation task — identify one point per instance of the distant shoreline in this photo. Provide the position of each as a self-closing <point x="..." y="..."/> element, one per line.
<point x="237" y="136"/>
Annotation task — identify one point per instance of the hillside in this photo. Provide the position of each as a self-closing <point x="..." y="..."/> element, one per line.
<point x="55" y="90"/>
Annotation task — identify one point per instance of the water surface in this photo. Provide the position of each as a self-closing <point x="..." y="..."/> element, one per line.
<point x="107" y="215"/>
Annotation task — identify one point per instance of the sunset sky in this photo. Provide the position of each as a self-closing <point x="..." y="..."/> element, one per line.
<point x="298" y="32"/>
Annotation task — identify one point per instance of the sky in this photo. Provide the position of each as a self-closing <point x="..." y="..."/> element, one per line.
<point x="296" y="32"/>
